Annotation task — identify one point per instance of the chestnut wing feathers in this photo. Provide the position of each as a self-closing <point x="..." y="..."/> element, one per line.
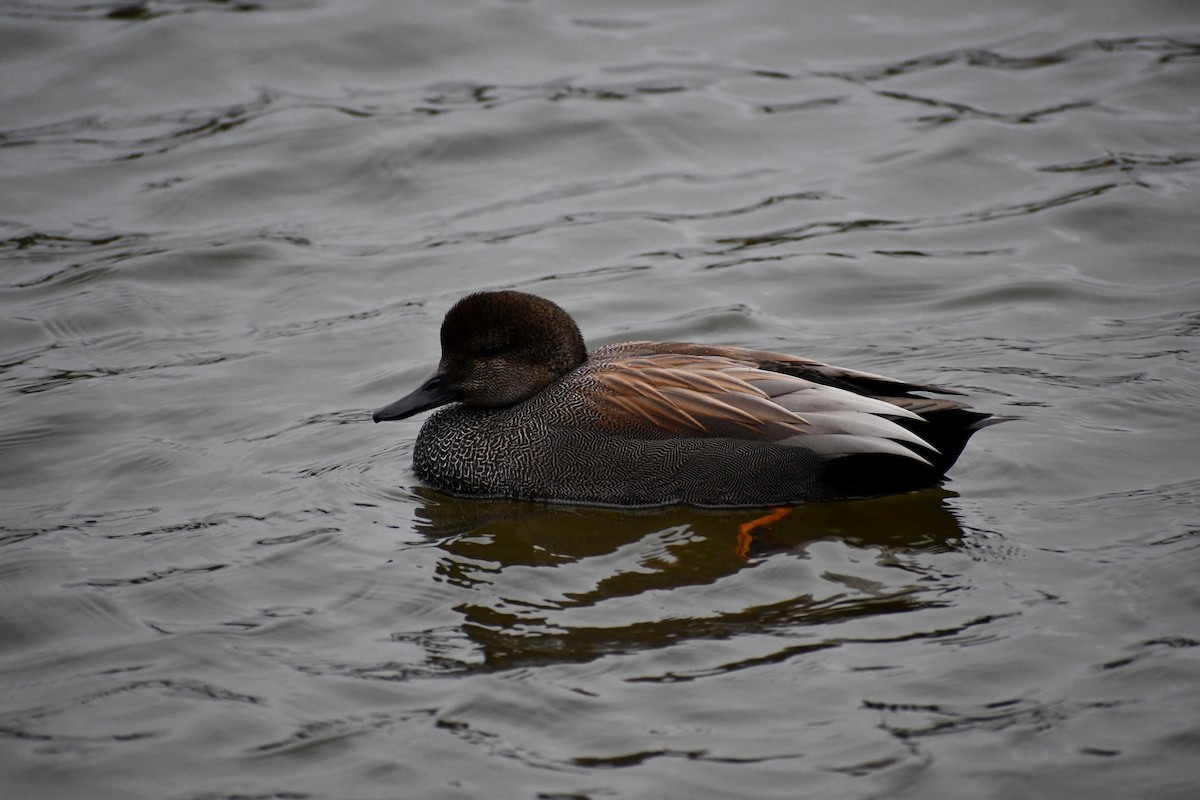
<point x="699" y="391"/>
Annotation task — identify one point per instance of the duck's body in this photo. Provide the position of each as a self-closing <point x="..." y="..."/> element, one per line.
<point x="537" y="417"/>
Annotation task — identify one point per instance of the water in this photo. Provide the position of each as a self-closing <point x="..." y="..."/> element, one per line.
<point x="231" y="229"/>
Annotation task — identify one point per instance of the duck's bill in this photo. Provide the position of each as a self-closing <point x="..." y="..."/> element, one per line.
<point x="431" y="394"/>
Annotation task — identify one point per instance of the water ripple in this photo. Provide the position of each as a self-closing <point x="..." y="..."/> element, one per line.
<point x="1165" y="50"/>
<point x="819" y="229"/>
<point x="139" y="10"/>
<point x="915" y="722"/>
<point x="1117" y="161"/>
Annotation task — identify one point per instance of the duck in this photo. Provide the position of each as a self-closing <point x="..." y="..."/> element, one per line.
<point x="527" y="412"/>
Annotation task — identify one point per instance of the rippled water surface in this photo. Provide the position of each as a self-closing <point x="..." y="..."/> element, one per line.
<point x="229" y="229"/>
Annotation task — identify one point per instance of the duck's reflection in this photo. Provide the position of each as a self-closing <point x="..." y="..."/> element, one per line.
<point x="568" y="583"/>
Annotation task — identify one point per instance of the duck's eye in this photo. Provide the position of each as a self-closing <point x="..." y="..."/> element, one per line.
<point x="491" y="349"/>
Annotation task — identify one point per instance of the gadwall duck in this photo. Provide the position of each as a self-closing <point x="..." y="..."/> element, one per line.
<point x="533" y="415"/>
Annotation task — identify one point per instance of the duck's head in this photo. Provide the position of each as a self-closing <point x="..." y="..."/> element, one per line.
<point x="498" y="348"/>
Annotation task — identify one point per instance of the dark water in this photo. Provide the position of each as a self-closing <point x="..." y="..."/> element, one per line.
<point x="231" y="228"/>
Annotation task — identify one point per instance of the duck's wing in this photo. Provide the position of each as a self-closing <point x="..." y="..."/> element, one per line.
<point x="721" y="393"/>
<point x="851" y="380"/>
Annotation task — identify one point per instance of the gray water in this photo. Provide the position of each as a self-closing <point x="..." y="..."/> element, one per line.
<point x="230" y="229"/>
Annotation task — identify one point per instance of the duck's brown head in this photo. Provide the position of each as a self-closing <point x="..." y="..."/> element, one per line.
<point x="498" y="349"/>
